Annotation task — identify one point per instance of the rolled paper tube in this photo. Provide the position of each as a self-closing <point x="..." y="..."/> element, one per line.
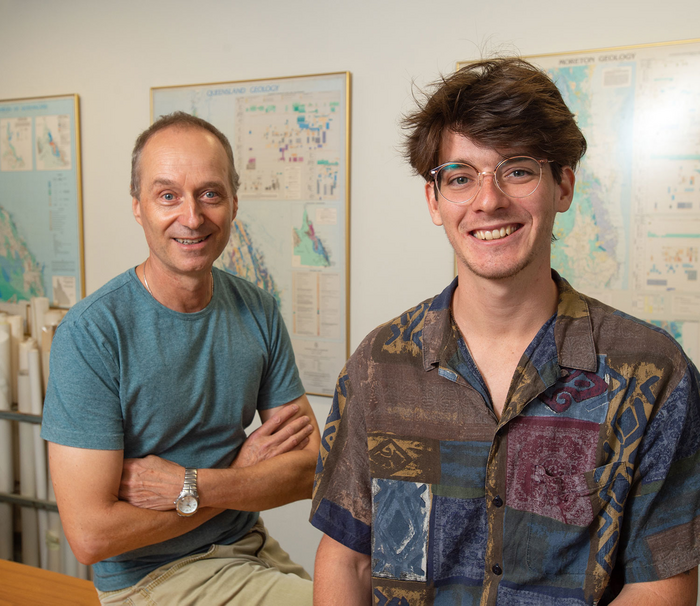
<point x="7" y="476"/>
<point x="53" y="317"/>
<point x="31" y="318"/>
<point x="5" y="366"/>
<point x="24" y="348"/>
<point x="36" y="392"/>
<point x="40" y="305"/>
<point x="17" y="324"/>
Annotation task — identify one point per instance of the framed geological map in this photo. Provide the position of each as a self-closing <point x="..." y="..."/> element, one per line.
<point x="41" y="224"/>
<point x="632" y="235"/>
<point x="291" y="143"/>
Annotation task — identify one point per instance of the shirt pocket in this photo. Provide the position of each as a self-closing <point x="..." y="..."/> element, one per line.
<point x="584" y="512"/>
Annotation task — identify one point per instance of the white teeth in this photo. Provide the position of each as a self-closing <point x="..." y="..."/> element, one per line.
<point x="183" y="241"/>
<point x="495" y="234"/>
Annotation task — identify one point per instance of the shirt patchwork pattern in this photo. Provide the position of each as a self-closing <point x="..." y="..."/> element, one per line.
<point x="589" y="479"/>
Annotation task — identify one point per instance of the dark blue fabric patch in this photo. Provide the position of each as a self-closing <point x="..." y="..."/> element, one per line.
<point x="543" y="349"/>
<point x="673" y="433"/>
<point x="382" y="600"/>
<point x="510" y="594"/>
<point x="458" y="540"/>
<point x="338" y="523"/>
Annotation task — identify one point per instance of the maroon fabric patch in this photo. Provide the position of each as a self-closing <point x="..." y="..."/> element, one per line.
<point x="548" y="461"/>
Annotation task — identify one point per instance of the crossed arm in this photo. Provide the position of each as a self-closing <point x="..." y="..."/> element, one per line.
<point x="342" y="578"/>
<point x="110" y="505"/>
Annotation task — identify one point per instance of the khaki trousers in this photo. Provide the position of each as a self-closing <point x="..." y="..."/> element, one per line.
<point x="253" y="571"/>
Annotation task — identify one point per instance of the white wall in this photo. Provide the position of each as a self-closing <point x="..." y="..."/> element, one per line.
<point x="111" y="53"/>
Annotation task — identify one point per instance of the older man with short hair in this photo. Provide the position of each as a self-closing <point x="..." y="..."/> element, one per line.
<point x="154" y="379"/>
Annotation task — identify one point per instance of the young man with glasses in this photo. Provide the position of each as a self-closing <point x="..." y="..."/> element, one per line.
<point x="510" y="441"/>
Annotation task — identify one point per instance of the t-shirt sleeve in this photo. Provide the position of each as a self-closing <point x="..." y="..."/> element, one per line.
<point x="661" y="532"/>
<point x="280" y="383"/>
<point x="82" y="406"/>
<point x="342" y="498"/>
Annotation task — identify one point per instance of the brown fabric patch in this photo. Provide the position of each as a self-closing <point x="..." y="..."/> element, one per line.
<point x="385" y="591"/>
<point x="404" y="400"/>
<point x="670" y="548"/>
<point x="393" y="457"/>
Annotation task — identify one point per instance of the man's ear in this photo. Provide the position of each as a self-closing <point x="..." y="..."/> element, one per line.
<point x="431" y="199"/>
<point x="136" y="209"/>
<point x="235" y="209"/>
<point x="565" y="190"/>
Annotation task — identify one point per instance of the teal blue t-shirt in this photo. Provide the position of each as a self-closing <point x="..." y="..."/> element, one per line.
<point x="128" y="373"/>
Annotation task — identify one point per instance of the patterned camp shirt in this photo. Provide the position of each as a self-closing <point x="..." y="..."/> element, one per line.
<point x="589" y="480"/>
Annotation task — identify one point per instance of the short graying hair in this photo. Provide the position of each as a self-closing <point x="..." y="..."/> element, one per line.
<point x="178" y="120"/>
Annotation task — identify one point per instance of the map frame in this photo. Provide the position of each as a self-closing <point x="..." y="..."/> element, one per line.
<point x="320" y="358"/>
<point x="65" y="268"/>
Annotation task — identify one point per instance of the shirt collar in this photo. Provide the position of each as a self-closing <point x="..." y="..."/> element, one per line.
<point x="437" y="329"/>
<point x="573" y="331"/>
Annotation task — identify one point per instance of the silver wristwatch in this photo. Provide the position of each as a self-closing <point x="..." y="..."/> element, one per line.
<point x="187" y="503"/>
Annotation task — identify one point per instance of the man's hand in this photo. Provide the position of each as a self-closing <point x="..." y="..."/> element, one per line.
<point x="279" y="434"/>
<point x="155" y="483"/>
<point x="151" y="483"/>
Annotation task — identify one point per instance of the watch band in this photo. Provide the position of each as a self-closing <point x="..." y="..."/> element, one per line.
<point x="190" y="484"/>
<point x="187" y="502"/>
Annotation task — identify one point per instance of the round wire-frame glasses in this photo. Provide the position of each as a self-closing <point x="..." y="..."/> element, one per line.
<point x="516" y="177"/>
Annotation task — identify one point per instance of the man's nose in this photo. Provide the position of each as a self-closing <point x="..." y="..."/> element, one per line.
<point x="489" y="197"/>
<point x="191" y="215"/>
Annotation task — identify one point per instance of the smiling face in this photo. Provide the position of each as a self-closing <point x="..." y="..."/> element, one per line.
<point x="186" y="203"/>
<point x="494" y="236"/>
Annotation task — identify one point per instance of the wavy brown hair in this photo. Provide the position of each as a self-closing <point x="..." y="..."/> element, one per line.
<point x="501" y="103"/>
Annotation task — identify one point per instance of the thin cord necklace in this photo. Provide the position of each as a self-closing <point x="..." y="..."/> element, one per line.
<point x="150" y="292"/>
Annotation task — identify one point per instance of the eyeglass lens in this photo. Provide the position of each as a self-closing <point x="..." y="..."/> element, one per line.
<point x="515" y="177"/>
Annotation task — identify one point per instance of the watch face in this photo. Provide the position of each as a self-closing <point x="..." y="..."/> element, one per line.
<point x="187" y="505"/>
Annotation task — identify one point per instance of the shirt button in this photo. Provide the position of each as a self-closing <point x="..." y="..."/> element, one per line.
<point x="497" y="501"/>
<point x="497" y="569"/>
